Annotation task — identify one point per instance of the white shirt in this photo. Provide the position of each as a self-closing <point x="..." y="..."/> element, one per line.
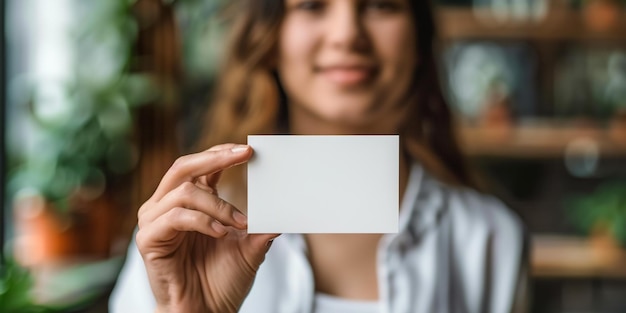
<point x="456" y="251"/>
<point x="329" y="304"/>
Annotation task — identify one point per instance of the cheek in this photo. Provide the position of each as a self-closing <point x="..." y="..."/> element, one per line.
<point x="296" y="54"/>
<point x="295" y="48"/>
<point x="395" y="43"/>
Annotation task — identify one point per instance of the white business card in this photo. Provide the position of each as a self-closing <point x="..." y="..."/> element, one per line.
<point x="323" y="184"/>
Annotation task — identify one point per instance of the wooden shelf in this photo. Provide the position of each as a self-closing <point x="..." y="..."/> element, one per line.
<point x="573" y="257"/>
<point x="558" y="24"/>
<point x="542" y="141"/>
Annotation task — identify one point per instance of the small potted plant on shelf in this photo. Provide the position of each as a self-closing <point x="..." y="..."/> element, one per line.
<point x="602" y="15"/>
<point x="601" y="214"/>
<point x="79" y="143"/>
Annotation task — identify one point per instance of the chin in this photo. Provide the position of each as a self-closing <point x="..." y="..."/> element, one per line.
<point x="365" y="118"/>
<point x="349" y="114"/>
<point x="360" y="122"/>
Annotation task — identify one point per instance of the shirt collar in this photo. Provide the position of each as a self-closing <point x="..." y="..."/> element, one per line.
<point x="422" y="203"/>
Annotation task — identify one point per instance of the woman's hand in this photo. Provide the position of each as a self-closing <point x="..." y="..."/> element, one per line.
<point x="197" y="253"/>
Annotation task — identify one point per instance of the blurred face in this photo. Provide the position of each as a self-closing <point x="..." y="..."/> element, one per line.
<point x="347" y="62"/>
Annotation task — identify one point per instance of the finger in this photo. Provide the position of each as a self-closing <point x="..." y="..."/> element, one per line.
<point x="190" y="196"/>
<point x="175" y="221"/>
<point x="188" y="168"/>
<point x="222" y="146"/>
<point x="211" y="181"/>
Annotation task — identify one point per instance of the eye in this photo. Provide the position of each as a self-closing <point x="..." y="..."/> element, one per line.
<point x="310" y="6"/>
<point x="383" y="5"/>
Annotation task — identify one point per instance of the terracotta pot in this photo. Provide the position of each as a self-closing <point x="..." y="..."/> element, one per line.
<point x="43" y="235"/>
<point x="617" y="128"/>
<point x="496" y="120"/>
<point x="606" y="248"/>
<point x="601" y="15"/>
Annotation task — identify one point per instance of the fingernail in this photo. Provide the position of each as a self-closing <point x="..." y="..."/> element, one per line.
<point x="240" y="218"/>
<point x="218" y="227"/>
<point x="269" y="243"/>
<point x="239" y="149"/>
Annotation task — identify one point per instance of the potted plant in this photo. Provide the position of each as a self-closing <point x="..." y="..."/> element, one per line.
<point x="602" y="15"/>
<point x="601" y="214"/>
<point x="80" y="141"/>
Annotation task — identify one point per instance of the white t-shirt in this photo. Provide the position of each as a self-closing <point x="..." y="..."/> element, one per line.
<point x="330" y="304"/>
<point x="457" y="251"/>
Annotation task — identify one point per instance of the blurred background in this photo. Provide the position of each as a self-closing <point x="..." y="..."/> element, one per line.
<point x="99" y="97"/>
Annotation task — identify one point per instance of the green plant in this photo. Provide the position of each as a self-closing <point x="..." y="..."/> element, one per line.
<point x="81" y="128"/>
<point x="16" y="293"/>
<point x="605" y="208"/>
<point x="15" y="290"/>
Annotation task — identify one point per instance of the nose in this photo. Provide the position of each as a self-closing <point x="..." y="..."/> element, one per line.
<point x="345" y="27"/>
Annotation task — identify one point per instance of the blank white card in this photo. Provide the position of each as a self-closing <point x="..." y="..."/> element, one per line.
<point x="323" y="184"/>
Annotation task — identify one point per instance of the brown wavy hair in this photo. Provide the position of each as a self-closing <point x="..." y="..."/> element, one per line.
<point x="250" y="100"/>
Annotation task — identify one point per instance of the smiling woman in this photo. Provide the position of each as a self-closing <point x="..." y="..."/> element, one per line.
<point x="293" y="51"/>
<point x="343" y="67"/>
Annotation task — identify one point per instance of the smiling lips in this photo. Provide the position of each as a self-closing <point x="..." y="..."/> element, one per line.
<point x="348" y="75"/>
